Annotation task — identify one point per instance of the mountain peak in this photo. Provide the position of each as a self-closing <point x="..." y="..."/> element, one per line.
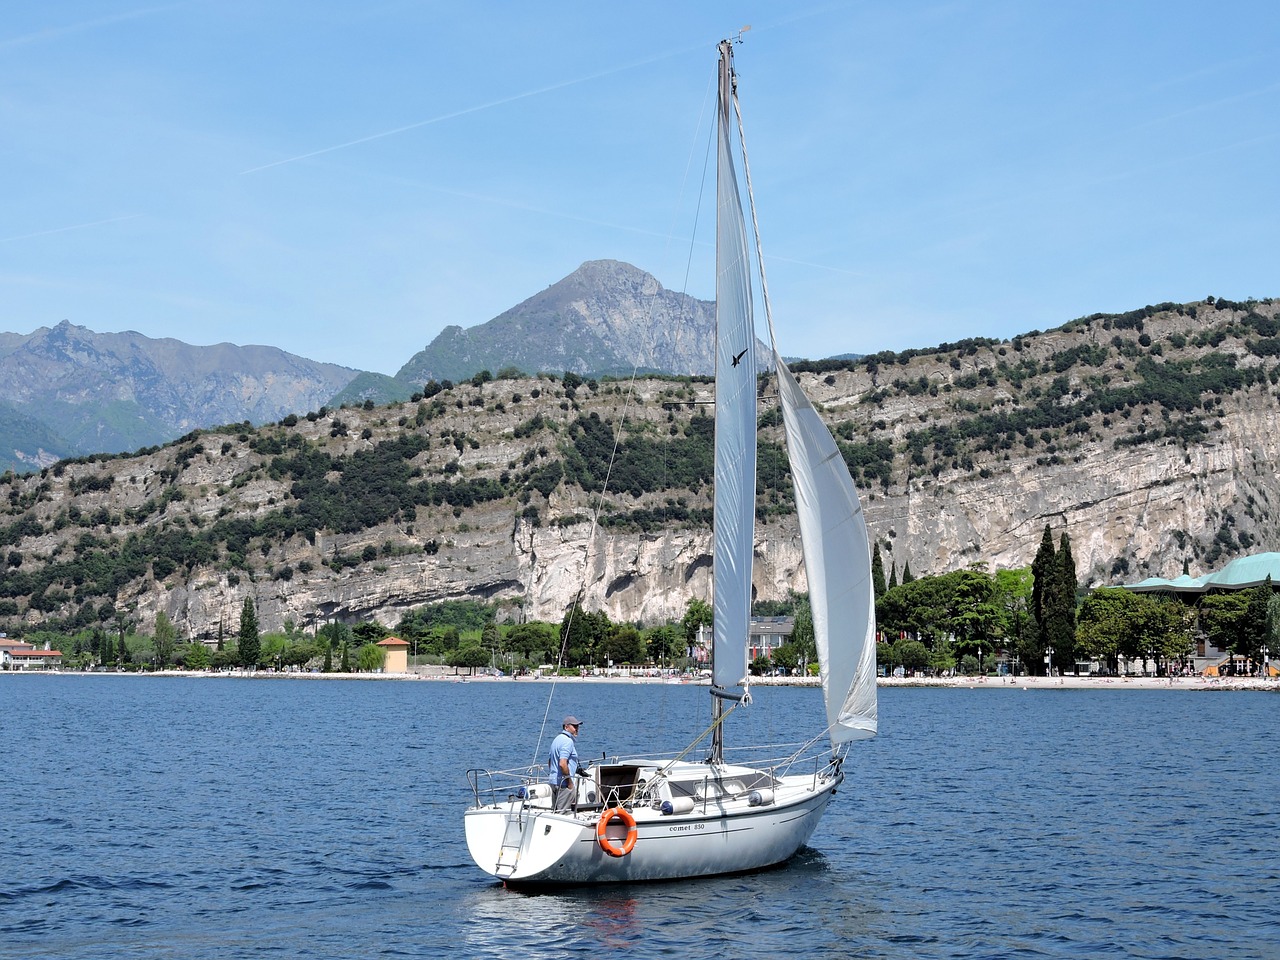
<point x="606" y="316"/>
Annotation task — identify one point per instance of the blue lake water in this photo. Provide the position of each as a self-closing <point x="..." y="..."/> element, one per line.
<point x="181" y="818"/>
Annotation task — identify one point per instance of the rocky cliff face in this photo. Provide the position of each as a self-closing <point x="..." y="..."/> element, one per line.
<point x="1149" y="438"/>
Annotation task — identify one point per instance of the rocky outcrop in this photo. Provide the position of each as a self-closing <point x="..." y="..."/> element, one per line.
<point x="1150" y="441"/>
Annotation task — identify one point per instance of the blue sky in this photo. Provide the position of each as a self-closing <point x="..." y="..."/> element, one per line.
<point x="342" y="180"/>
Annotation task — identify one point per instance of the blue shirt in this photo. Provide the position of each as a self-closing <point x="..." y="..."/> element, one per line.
<point x="563" y="747"/>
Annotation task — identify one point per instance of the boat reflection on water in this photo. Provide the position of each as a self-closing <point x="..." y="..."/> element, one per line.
<point x="551" y="924"/>
<point x="718" y="913"/>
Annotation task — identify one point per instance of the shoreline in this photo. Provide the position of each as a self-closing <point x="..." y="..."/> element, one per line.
<point x="969" y="683"/>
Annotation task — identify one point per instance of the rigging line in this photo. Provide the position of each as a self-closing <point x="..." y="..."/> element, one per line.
<point x="617" y="441"/>
<point x="751" y="204"/>
<point x="662" y="771"/>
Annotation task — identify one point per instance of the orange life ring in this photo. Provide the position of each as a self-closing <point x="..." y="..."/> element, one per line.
<point x="606" y="818"/>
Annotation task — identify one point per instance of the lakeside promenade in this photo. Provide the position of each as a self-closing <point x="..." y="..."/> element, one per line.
<point x="446" y="675"/>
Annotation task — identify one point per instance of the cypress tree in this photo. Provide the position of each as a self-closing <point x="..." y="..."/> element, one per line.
<point x="907" y="575"/>
<point x="893" y="575"/>
<point x="250" y="644"/>
<point x="877" y="573"/>
<point x="1041" y="568"/>
<point x="1063" y="618"/>
<point x="1042" y="588"/>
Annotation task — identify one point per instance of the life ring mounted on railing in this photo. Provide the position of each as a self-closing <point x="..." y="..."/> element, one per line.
<point x="606" y="818"/>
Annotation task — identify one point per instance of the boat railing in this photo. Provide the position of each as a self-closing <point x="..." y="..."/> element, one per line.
<point x="494" y="786"/>
<point x="802" y="757"/>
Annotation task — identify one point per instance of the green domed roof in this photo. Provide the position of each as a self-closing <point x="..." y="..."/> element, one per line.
<point x="1239" y="573"/>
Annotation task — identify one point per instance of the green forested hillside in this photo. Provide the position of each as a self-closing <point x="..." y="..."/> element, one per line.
<point x="446" y="491"/>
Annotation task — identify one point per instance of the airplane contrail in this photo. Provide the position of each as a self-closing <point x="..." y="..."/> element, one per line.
<point x="74" y="226"/>
<point x="469" y="110"/>
<point x="54" y="32"/>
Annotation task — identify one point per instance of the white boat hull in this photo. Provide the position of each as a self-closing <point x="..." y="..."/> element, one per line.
<point x="524" y="843"/>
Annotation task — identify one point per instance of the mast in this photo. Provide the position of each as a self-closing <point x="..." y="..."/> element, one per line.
<point x="735" y="427"/>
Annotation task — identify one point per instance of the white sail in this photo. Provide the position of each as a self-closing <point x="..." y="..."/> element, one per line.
<point x="837" y="560"/>
<point x="735" y="469"/>
<point x="679" y="818"/>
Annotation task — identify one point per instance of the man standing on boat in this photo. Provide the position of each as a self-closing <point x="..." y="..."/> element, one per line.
<point x="562" y="763"/>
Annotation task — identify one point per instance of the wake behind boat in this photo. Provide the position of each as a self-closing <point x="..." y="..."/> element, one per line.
<point x="655" y="819"/>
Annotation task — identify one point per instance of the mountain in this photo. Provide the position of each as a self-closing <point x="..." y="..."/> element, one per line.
<point x="372" y="387"/>
<point x="1149" y="437"/>
<point x="69" y="390"/>
<point x="604" y="318"/>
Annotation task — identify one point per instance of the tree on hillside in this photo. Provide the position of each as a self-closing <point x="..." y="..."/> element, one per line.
<point x="491" y="640"/>
<point x="697" y="613"/>
<point x="370" y="657"/>
<point x="663" y="644"/>
<point x="470" y="655"/>
<point x="787" y="657"/>
<point x="1165" y="633"/>
<point x="921" y="607"/>
<point x="534" y="641"/>
<point x="1013" y="597"/>
<point x="165" y="640"/>
<point x="197" y="656"/>
<point x="1254" y="633"/>
<point x="124" y="624"/>
<point x="976" y="617"/>
<point x="877" y="573"/>
<point x="333" y="635"/>
<point x="622" y="645"/>
<point x="1115" y="623"/>
<point x="1106" y="619"/>
<point x="802" y="636"/>
<point x="582" y="634"/>
<point x="249" y="644"/>
<point x="370" y="631"/>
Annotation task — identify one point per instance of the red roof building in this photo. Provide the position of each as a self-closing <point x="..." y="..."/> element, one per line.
<point x="29" y="659"/>
<point x="397" y="660"/>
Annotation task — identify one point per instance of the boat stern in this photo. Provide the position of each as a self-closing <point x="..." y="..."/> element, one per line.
<point x="514" y="841"/>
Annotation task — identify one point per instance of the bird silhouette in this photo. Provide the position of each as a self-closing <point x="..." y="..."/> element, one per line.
<point x="738" y="357"/>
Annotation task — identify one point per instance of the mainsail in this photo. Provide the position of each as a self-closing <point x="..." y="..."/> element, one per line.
<point x="745" y="817"/>
<point x="837" y="562"/>
<point x="735" y="469"/>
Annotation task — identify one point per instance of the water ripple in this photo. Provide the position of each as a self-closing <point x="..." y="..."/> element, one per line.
<point x="979" y="824"/>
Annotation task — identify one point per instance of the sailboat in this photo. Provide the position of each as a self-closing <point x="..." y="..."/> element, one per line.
<point x="647" y="818"/>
